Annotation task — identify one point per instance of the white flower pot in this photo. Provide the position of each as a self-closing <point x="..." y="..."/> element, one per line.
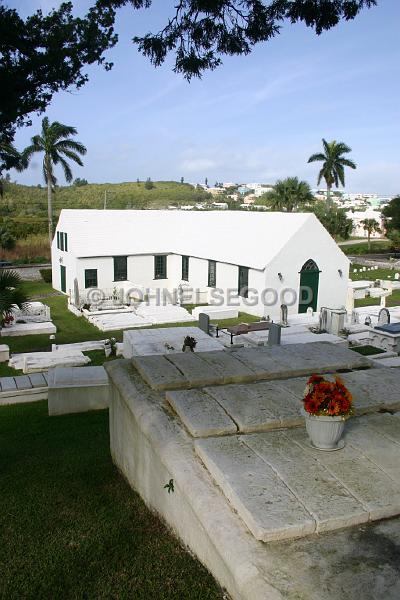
<point x="325" y="432"/>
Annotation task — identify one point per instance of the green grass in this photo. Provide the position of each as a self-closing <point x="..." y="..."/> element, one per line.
<point x="72" y="528"/>
<point x="370" y="275"/>
<point x="367" y="350"/>
<point x="359" y="249"/>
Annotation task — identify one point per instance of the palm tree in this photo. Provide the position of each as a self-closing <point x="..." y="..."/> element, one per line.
<point x="57" y="146"/>
<point x="370" y="226"/>
<point x="289" y="194"/>
<point x="333" y="164"/>
<point x="11" y="293"/>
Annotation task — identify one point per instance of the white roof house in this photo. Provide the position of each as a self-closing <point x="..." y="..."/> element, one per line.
<point x="269" y="248"/>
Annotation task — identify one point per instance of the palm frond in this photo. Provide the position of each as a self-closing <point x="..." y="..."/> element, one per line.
<point x="317" y="157"/>
<point x="9" y="279"/>
<point x="64" y="145"/>
<point x="347" y="162"/>
<point x="66" y="169"/>
<point x="72" y="156"/>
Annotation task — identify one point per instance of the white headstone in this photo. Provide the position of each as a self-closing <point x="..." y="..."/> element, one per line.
<point x="397" y="276"/>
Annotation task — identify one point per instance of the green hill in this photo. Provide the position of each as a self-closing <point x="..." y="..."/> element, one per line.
<point x="21" y="201"/>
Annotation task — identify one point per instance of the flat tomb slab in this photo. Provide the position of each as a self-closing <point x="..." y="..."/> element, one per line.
<point x="200" y="413"/>
<point x="283" y="488"/>
<point x="266" y="505"/>
<point x="168" y="372"/>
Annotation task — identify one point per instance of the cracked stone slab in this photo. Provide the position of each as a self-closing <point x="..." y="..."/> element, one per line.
<point x="330" y="504"/>
<point x="259" y="406"/>
<point x="376" y="491"/>
<point x="200" y="413"/>
<point x="230" y="369"/>
<point x="374" y="389"/>
<point x="265" y="504"/>
<point x="195" y="371"/>
<point x="8" y="384"/>
<point x="159" y="373"/>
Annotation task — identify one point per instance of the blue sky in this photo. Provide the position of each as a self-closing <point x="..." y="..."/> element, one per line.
<point x="256" y="118"/>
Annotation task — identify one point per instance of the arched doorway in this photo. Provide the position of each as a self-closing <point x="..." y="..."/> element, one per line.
<point x="309" y="282"/>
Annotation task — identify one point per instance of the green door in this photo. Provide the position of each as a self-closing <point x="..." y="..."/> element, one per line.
<point x="309" y="282"/>
<point x="63" y="278"/>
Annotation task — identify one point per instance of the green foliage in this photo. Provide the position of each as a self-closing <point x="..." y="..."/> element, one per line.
<point x="79" y="182"/>
<point x="288" y="195"/>
<point x="391" y="212"/>
<point x="46" y="275"/>
<point x="27" y="203"/>
<point x="149" y="185"/>
<point x="7" y="241"/>
<point x="11" y="293"/>
<point x="334" y="220"/>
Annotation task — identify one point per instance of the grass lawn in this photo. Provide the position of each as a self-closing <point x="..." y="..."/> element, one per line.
<point x="360" y="249"/>
<point x="368" y="350"/>
<point x="370" y="275"/>
<point x="72" y="329"/>
<point x="72" y="528"/>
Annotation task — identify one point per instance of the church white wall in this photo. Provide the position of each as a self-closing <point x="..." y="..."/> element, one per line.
<point x="311" y="242"/>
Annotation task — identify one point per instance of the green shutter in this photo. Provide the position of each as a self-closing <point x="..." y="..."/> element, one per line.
<point x="185" y="268"/>
<point x="65" y="242"/>
<point x="90" y="278"/>
<point x="120" y="268"/>
<point x="63" y="276"/>
<point x="243" y="281"/>
<point x="212" y="273"/>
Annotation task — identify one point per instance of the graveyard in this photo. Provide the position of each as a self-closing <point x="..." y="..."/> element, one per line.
<point x="223" y="427"/>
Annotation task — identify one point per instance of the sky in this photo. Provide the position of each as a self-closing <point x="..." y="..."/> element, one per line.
<point x="256" y="118"/>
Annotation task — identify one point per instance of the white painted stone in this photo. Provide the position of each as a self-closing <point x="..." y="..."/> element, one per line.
<point x="73" y="390"/>
<point x="262" y="500"/>
<point x="4" y="353"/>
<point x="166" y="340"/>
<point x="200" y="413"/>
<point x="18" y="329"/>
<point x="42" y="361"/>
<point x="216" y="312"/>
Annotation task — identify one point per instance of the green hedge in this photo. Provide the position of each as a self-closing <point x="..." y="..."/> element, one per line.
<point x="46" y="275"/>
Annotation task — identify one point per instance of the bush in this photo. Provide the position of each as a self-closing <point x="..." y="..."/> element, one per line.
<point x="46" y="275"/>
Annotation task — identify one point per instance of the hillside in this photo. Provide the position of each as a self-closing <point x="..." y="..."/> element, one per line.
<point x="28" y="201"/>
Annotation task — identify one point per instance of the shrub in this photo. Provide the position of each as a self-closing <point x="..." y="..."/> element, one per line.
<point x="46" y="275"/>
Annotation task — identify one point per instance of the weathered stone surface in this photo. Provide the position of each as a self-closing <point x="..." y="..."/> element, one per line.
<point x="7" y="384"/>
<point x="387" y="425"/>
<point x="23" y="382"/>
<point x="374" y="389"/>
<point x="330" y="504"/>
<point x="159" y="373"/>
<point x="376" y="491"/>
<point x="38" y="380"/>
<point x="269" y="509"/>
<point x="229" y="368"/>
<point x="200" y="413"/>
<point x="195" y="371"/>
<point x="259" y="406"/>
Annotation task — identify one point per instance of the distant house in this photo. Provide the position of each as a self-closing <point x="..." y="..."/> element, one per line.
<point x="254" y="260"/>
<point x="358" y="217"/>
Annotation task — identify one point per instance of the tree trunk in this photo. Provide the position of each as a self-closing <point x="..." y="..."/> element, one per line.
<point x="49" y="201"/>
<point x="328" y="195"/>
<point x="369" y="240"/>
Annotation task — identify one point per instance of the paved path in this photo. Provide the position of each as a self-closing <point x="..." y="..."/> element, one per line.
<point x="363" y="241"/>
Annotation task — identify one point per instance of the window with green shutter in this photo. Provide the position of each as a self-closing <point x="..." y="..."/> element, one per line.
<point x="120" y="268"/>
<point x="58" y="239"/>
<point x="61" y="241"/>
<point x="160" y="266"/>
<point x="212" y="273"/>
<point x="90" y="278"/>
<point x="65" y="242"/>
<point x="185" y="268"/>
<point x="243" y="282"/>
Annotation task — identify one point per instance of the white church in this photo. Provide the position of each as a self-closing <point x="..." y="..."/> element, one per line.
<point x="255" y="261"/>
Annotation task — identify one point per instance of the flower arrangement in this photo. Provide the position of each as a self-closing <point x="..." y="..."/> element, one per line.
<point x="189" y="342"/>
<point x="8" y="320"/>
<point x="327" y="398"/>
